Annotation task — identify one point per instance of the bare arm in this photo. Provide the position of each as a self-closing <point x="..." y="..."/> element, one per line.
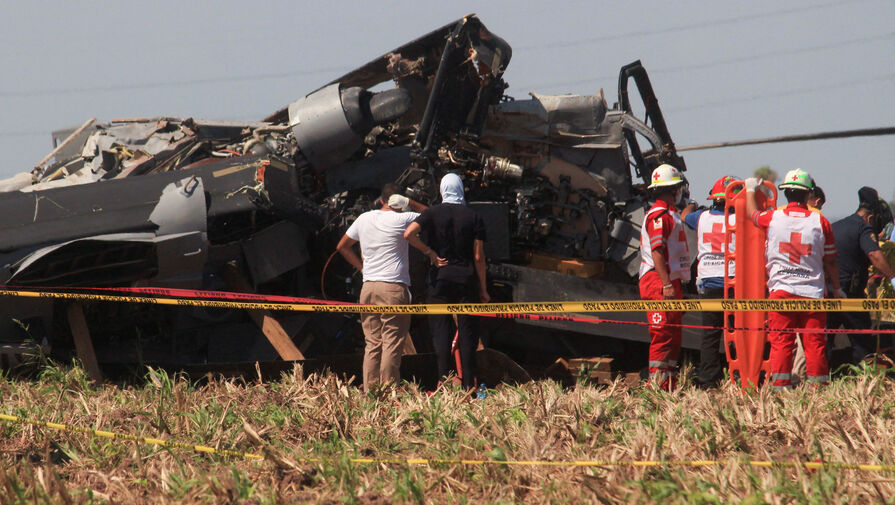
<point x="411" y="235"/>
<point x="878" y="259"/>
<point x="831" y="270"/>
<point x="661" y="267"/>
<point x="416" y="206"/>
<point x="480" y="270"/>
<point x="346" y="249"/>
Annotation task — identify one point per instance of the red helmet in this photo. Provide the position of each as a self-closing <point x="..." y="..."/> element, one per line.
<point x="719" y="187"/>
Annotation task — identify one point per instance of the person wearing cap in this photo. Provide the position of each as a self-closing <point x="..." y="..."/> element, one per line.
<point x="858" y="247"/>
<point x="710" y="228"/>
<point x="664" y="265"/>
<point x="801" y="257"/>
<point x="817" y="199"/>
<point x="457" y="233"/>
<point x="386" y="270"/>
<point x="884" y="221"/>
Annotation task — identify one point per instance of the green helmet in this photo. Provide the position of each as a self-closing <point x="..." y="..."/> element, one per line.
<point x="797" y="179"/>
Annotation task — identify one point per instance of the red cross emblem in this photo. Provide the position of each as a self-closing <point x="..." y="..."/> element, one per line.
<point x="795" y="177"/>
<point x="656" y="175"/>
<point x="715" y="237"/>
<point x="795" y="248"/>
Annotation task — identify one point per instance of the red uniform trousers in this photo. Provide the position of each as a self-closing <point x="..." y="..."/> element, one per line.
<point x="783" y="344"/>
<point x="665" y="340"/>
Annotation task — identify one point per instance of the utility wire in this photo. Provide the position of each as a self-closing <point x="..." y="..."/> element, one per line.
<point x="864" y="132"/>
<point x="681" y="28"/>
<point x="706" y="105"/>
<point x="167" y="84"/>
<point x="717" y="63"/>
<point x="790" y="92"/>
<point x="282" y="75"/>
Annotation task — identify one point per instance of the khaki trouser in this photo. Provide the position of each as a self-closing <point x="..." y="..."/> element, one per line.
<point x="384" y="333"/>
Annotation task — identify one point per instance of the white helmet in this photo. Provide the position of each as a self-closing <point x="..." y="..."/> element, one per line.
<point x="797" y="179"/>
<point x="665" y="175"/>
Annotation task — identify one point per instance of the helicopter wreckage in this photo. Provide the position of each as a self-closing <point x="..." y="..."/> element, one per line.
<point x="259" y="206"/>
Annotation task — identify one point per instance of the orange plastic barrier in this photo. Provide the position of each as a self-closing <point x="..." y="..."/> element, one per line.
<point x="747" y="349"/>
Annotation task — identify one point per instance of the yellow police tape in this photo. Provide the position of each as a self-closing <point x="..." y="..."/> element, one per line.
<point x="808" y="465"/>
<point x="797" y="305"/>
<point x="120" y="436"/>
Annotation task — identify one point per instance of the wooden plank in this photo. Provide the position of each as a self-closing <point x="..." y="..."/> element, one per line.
<point x="83" y="342"/>
<point x="271" y="328"/>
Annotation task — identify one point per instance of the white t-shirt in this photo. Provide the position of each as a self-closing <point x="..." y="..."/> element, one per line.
<point x="382" y="245"/>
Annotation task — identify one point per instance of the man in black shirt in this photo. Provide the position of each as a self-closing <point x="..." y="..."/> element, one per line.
<point x="857" y="247"/>
<point x="457" y="234"/>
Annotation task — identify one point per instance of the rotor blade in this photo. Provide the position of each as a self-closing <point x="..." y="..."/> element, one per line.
<point x="865" y="132"/>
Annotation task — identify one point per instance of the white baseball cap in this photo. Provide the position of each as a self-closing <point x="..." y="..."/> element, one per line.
<point x="398" y="202"/>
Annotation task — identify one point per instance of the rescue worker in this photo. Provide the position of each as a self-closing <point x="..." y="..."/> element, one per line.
<point x="801" y="256"/>
<point x="817" y="199"/>
<point x="884" y="223"/>
<point x="385" y="266"/>
<point x="857" y="248"/>
<point x="664" y="265"/>
<point x="710" y="227"/>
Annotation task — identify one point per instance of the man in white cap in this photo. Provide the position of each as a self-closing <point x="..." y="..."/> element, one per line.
<point x="386" y="269"/>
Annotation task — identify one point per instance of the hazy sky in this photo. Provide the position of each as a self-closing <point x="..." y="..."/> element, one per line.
<point x="721" y="70"/>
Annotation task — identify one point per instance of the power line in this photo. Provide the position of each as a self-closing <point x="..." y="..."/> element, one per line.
<point x="729" y="61"/>
<point x="282" y="75"/>
<point x="24" y="134"/>
<point x="790" y="92"/>
<point x="166" y="84"/>
<point x="680" y="28"/>
<point x="864" y="132"/>
<point x="706" y="105"/>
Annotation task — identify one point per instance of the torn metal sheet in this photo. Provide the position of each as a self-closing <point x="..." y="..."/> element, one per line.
<point x="113" y="259"/>
<point x="181" y="208"/>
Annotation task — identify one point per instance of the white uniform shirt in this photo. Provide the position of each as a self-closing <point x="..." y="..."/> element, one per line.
<point x="710" y="246"/>
<point x="798" y="240"/>
<point x="382" y="244"/>
<point x="662" y="226"/>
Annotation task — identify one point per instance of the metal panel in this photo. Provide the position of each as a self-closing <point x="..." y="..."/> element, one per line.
<point x="275" y="250"/>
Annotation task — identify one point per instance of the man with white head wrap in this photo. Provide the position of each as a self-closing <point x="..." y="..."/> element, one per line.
<point x="457" y="234"/>
<point x="386" y="268"/>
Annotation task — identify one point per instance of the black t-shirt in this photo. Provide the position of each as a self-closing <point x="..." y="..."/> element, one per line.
<point x="854" y="240"/>
<point x="451" y="230"/>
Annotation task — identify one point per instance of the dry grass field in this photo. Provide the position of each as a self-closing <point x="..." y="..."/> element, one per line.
<point x="321" y="417"/>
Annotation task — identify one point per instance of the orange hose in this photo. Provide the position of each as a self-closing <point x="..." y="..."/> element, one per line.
<point x="323" y="273"/>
